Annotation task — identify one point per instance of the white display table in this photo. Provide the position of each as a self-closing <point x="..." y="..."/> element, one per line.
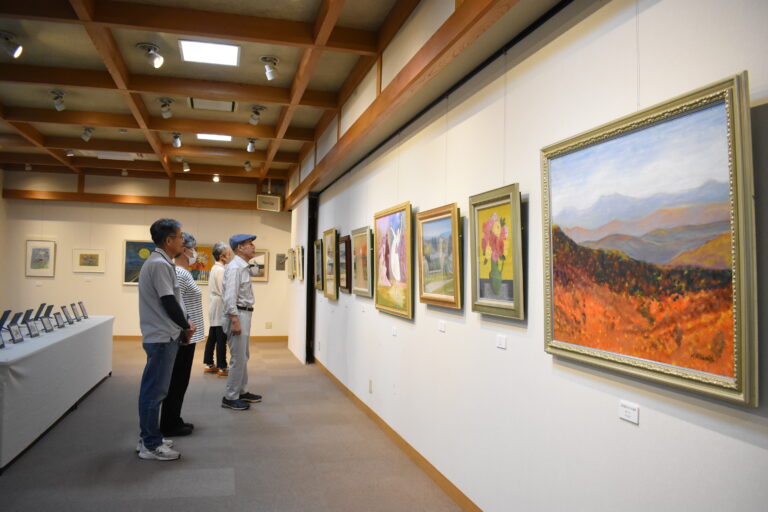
<point x="41" y="378"/>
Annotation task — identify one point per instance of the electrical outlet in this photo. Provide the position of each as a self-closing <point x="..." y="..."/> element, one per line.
<point x="501" y="341"/>
<point x="370" y="386"/>
<point x="268" y="325"/>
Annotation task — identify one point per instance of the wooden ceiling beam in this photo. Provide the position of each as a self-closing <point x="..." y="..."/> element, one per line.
<point x="464" y="26"/>
<point x="228" y="153"/>
<point x="163" y="85"/>
<point x="194" y="23"/>
<point x="14" y="141"/>
<point x="328" y="15"/>
<point x="120" y="146"/>
<point x="75" y="117"/>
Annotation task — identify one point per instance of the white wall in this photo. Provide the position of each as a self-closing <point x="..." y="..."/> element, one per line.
<point x="106" y="226"/>
<point x="297" y="303"/>
<point x="517" y="429"/>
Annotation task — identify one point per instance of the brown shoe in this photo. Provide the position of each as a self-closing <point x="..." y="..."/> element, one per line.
<point x="222" y="372"/>
<point x="210" y="369"/>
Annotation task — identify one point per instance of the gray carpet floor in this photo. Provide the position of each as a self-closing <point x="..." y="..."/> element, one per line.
<point x="306" y="447"/>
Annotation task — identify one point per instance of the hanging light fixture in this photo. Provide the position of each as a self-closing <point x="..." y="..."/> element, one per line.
<point x="124" y="172"/>
<point x="251" y="147"/>
<point x="27" y="167"/>
<point x="176" y="139"/>
<point x="11" y="47"/>
<point x="256" y="114"/>
<point x="185" y="167"/>
<point x="152" y="54"/>
<point x="165" y="107"/>
<point x="248" y="166"/>
<point x="216" y="178"/>
<point x="87" y="133"/>
<point x="58" y="100"/>
<point x="270" y="66"/>
<point x="70" y="153"/>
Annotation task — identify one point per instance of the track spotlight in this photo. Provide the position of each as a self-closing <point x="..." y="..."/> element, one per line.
<point x="9" y="45"/>
<point x="58" y="100"/>
<point x="185" y="167"/>
<point x="27" y="167"/>
<point x="256" y="114"/>
<point x="124" y="172"/>
<point x="251" y="147"/>
<point x="270" y="66"/>
<point x="87" y="133"/>
<point x="152" y="54"/>
<point x="176" y="139"/>
<point x="70" y="153"/>
<point x="216" y="178"/>
<point x="248" y="166"/>
<point x="165" y="107"/>
<point x="122" y="131"/>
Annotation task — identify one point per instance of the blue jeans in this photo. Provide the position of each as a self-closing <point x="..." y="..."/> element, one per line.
<point x="154" y="388"/>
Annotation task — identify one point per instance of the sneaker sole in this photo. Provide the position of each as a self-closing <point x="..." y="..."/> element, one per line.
<point x="150" y="456"/>
<point x="251" y="401"/>
<point x="234" y="408"/>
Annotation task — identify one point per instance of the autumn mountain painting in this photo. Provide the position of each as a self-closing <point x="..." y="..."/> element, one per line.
<point x="641" y="245"/>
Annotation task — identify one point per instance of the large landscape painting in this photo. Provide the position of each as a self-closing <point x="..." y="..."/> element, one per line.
<point x="642" y="244"/>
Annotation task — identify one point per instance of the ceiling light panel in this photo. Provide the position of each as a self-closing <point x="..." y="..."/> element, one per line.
<point x="215" y="105"/>
<point x="209" y="53"/>
<point x="213" y="136"/>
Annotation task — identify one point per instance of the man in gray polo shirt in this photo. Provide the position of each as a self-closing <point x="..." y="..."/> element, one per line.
<point x="164" y="325"/>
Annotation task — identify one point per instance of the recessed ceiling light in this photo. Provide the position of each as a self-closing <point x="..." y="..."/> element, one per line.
<point x="210" y="53"/>
<point x="212" y="136"/>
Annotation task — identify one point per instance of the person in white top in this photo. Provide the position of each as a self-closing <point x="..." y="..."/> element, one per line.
<point x="216" y="337"/>
<point x="171" y="422"/>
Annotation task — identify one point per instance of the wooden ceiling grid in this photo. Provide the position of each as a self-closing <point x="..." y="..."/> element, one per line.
<point x="99" y="17"/>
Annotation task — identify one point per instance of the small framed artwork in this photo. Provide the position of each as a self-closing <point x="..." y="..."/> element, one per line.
<point x="497" y="253"/>
<point x="59" y="320"/>
<point x="40" y="258"/>
<point x="290" y="261"/>
<point x="318" y="265"/>
<point x="280" y="260"/>
<point x="362" y="261"/>
<point x="135" y="253"/>
<point x="68" y="315"/>
<point x="300" y="262"/>
<point x="268" y="203"/>
<point x="201" y="268"/>
<point x="47" y="325"/>
<point x="82" y="309"/>
<point x="439" y="256"/>
<point x="394" y="260"/>
<point x="650" y="245"/>
<point x="330" y="264"/>
<point x="88" y="260"/>
<point x="260" y="262"/>
<point x="345" y="271"/>
<point x="15" y="332"/>
<point x="32" y="329"/>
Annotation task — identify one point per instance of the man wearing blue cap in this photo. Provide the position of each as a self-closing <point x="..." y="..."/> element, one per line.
<point x="238" y="310"/>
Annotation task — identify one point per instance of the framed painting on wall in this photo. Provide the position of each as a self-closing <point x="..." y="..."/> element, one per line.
<point x="393" y="260"/>
<point x="201" y="268"/>
<point x="649" y="245"/>
<point x="497" y="253"/>
<point x="260" y="262"/>
<point x="300" y="262"/>
<point x="88" y="260"/>
<point x="40" y="258"/>
<point x="318" y="265"/>
<point x="290" y="257"/>
<point x="135" y="253"/>
<point x="344" y="264"/>
<point x="330" y="264"/>
<point x="439" y="256"/>
<point x="362" y="262"/>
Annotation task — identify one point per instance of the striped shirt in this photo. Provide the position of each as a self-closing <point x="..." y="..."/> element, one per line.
<point x="193" y="301"/>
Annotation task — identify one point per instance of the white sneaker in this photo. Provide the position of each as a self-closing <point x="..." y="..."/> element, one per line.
<point x="162" y="452"/>
<point x="166" y="442"/>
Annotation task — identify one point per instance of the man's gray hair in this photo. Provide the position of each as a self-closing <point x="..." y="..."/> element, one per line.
<point x="219" y="249"/>
<point x="189" y="240"/>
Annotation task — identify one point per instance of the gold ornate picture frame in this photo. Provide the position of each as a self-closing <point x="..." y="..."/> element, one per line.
<point x="362" y="262"/>
<point x="393" y="261"/>
<point x="330" y="264"/>
<point x="438" y="235"/>
<point x="649" y="245"/>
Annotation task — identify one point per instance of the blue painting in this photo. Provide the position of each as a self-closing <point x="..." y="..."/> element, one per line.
<point x="136" y="253"/>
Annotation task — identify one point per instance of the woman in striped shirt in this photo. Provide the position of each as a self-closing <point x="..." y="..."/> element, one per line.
<point x="171" y="422"/>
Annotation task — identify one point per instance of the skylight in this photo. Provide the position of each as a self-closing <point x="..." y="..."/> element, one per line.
<point x="212" y="136"/>
<point x="210" y="53"/>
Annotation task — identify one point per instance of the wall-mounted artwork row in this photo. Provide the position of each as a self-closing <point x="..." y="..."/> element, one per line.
<point x="497" y="253"/>
<point x="649" y="245"/>
<point x="439" y="256"/>
<point x="393" y="274"/>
